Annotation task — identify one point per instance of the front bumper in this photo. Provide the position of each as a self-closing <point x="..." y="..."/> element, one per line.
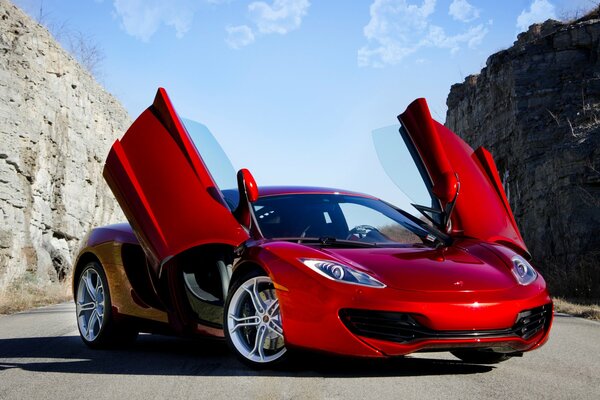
<point x="383" y="329"/>
<point x="315" y="311"/>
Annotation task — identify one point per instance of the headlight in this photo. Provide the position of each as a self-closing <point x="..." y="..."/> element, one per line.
<point x="341" y="273"/>
<point x="523" y="271"/>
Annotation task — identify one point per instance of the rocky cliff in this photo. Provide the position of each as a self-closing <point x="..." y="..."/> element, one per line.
<point x="536" y="107"/>
<point x="56" y="126"/>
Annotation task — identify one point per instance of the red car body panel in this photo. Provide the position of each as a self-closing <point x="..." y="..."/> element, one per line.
<point x="311" y="305"/>
<point x="481" y="196"/>
<point x="120" y="233"/>
<point x="429" y="269"/>
<point x="164" y="188"/>
<point x="173" y="205"/>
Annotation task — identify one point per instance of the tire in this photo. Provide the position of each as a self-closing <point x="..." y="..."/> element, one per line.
<point x="95" y="321"/>
<point x="252" y="321"/>
<point x="480" y="356"/>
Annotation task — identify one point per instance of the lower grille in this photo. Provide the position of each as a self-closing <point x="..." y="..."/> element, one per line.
<point x="403" y="328"/>
<point x="530" y="322"/>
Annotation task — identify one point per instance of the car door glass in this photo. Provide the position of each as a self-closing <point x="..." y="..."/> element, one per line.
<point x="217" y="162"/>
<point x="401" y="167"/>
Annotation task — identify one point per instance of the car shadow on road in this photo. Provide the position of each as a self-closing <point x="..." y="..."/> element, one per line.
<point x="164" y="356"/>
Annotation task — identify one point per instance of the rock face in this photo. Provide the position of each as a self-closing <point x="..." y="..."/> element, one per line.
<point x="56" y="126"/>
<point x="536" y="107"/>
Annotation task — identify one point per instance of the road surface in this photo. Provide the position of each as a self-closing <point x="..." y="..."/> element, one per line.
<point x="42" y="357"/>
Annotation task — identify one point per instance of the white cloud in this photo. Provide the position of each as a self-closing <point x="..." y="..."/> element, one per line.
<point x="462" y="11"/>
<point x="142" y="18"/>
<point x="436" y="37"/>
<point x="397" y="29"/>
<point x="395" y="17"/>
<point x="239" y="36"/>
<point x="539" y="11"/>
<point x="280" y="17"/>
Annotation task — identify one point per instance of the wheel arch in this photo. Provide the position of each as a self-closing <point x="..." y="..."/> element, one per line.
<point x="84" y="258"/>
<point x="245" y="267"/>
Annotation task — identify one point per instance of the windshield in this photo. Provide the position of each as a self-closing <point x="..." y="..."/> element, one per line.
<point x="336" y="217"/>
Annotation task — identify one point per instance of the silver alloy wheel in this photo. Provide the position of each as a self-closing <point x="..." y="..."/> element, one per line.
<point x="254" y="321"/>
<point x="90" y="304"/>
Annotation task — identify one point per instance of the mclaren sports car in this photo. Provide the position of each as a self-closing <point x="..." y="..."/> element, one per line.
<point x="207" y="252"/>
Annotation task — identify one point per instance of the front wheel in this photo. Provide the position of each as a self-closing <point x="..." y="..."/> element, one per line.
<point x="252" y="321"/>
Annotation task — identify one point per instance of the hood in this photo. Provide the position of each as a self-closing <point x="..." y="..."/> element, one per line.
<point x="427" y="269"/>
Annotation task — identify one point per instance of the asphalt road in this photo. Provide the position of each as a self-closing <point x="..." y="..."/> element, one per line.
<point x="41" y="357"/>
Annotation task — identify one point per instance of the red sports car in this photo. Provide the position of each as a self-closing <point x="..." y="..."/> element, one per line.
<point x="276" y="268"/>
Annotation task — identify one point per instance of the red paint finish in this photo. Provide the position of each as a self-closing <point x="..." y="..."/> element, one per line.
<point x="481" y="209"/>
<point x="487" y="163"/>
<point x="310" y="305"/>
<point x="164" y="188"/>
<point x="427" y="269"/>
<point x="121" y="233"/>
<point x="173" y="204"/>
<point x="249" y="185"/>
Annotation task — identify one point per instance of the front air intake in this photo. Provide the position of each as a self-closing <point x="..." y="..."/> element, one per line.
<point x="403" y="327"/>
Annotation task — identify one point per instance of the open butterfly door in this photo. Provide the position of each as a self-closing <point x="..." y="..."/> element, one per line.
<point x="165" y="189"/>
<point x="465" y="182"/>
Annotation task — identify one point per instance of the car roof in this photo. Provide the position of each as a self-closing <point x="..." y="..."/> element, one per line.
<point x="265" y="191"/>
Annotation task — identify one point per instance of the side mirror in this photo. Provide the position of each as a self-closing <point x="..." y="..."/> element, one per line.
<point x="446" y="188"/>
<point x="247" y="185"/>
<point x="248" y="194"/>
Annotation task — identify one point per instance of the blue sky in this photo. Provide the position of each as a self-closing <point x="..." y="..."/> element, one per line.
<point x="292" y="88"/>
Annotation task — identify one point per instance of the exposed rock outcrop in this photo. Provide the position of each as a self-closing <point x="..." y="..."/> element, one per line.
<point x="536" y="107"/>
<point x="56" y="126"/>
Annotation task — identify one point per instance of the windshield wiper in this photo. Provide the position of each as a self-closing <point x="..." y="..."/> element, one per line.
<point x="328" y="241"/>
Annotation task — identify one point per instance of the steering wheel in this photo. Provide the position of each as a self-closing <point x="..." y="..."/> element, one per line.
<point x="361" y="231"/>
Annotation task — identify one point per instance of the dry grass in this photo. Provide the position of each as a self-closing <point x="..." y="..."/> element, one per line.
<point x="585" y="309"/>
<point x="25" y="294"/>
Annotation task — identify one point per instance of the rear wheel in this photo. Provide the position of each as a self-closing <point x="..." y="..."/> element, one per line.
<point x="95" y="321"/>
<point x="480" y="356"/>
<point x="252" y="321"/>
